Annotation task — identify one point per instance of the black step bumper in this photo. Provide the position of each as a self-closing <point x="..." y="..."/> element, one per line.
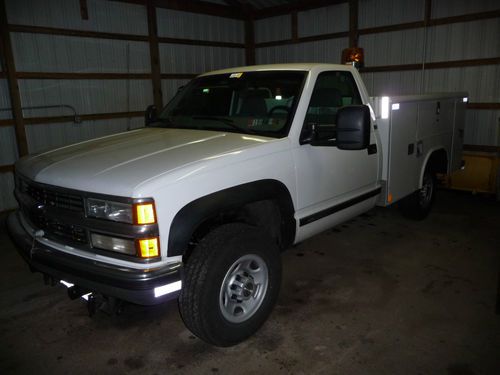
<point x="144" y="287"/>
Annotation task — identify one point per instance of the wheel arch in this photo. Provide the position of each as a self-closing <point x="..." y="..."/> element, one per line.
<point x="437" y="159"/>
<point x="268" y="198"/>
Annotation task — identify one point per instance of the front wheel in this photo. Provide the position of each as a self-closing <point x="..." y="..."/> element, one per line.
<point x="231" y="283"/>
<point x="418" y="205"/>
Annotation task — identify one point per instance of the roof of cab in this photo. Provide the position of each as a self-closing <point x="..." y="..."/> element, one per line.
<point x="297" y="66"/>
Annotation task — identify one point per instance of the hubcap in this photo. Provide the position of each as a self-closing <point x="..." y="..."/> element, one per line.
<point x="425" y="194"/>
<point x="244" y="288"/>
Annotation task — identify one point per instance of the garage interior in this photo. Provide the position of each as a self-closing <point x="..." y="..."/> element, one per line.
<point x="379" y="294"/>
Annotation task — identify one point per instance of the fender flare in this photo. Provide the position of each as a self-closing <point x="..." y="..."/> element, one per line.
<point x="188" y="219"/>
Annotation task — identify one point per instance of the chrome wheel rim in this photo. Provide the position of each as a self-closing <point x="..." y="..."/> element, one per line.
<point x="425" y="194"/>
<point x="244" y="288"/>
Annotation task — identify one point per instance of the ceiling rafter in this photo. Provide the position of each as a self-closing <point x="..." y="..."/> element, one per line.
<point x="194" y="6"/>
<point x="294" y="6"/>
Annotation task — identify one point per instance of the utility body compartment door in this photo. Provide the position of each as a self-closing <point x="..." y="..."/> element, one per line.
<point x="411" y="129"/>
<point x="403" y="151"/>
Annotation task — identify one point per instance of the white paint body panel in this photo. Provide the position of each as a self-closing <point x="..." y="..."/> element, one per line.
<point x="429" y="123"/>
<point x="176" y="167"/>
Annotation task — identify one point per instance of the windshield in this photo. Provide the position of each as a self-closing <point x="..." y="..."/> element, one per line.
<point x="261" y="103"/>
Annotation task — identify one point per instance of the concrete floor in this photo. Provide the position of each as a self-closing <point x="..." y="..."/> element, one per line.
<point x="378" y="295"/>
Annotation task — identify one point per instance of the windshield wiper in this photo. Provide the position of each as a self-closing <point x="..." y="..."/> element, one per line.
<point x="225" y="121"/>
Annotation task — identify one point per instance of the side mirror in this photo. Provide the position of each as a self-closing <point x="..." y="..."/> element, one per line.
<point x="150" y="115"/>
<point x="353" y="127"/>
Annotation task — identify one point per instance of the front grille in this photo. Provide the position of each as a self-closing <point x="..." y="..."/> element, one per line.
<point x="52" y="197"/>
<point x="39" y="212"/>
<point x="56" y="229"/>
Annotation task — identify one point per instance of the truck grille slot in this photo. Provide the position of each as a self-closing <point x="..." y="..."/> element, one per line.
<point x="53" y="227"/>
<point x="53" y="198"/>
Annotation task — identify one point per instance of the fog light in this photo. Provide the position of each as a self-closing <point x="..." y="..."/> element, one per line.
<point x="120" y="245"/>
<point x="149" y="247"/>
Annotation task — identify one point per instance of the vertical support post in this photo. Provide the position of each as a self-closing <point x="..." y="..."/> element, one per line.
<point x="154" y="53"/>
<point x="295" y="26"/>
<point x="428" y="12"/>
<point x="10" y="70"/>
<point x="84" y="12"/>
<point x="250" y="41"/>
<point x="427" y="18"/>
<point x="353" y="23"/>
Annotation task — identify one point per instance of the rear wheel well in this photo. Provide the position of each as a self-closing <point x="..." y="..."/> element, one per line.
<point x="263" y="214"/>
<point x="438" y="162"/>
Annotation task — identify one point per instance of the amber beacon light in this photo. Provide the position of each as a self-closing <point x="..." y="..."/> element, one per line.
<point x="353" y="56"/>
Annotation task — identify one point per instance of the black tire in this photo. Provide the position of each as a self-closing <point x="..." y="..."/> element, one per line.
<point x="207" y="269"/>
<point x="418" y="205"/>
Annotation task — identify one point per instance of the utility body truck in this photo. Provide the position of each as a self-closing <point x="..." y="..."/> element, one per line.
<point x="241" y="164"/>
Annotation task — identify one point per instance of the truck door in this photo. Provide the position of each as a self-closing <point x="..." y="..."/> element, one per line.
<point x="326" y="176"/>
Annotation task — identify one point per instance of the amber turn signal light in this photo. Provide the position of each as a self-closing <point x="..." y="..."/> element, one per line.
<point x="149" y="247"/>
<point x="145" y="213"/>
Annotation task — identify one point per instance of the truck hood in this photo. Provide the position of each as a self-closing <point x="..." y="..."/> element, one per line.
<point x="118" y="163"/>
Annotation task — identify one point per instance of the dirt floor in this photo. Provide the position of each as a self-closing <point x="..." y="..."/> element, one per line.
<point x="377" y="295"/>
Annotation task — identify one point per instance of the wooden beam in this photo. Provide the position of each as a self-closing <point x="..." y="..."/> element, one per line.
<point x="432" y="65"/>
<point x="294" y="19"/>
<point x="98" y="76"/>
<point x="388" y="28"/>
<point x="465" y="18"/>
<point x="10" y="71"/>
<point x="299" y="6"/>
<point x="79" y="33"/>
<point x="84" y="12"/>
<point x="193" y="6"/>
<point x="305" y="39"/>
<point x="493" y="106"/>
<point x="117" y="36"/>
<point x="204" y="7"/>
<point x="353" y="23"/>
<point x="154" y="54"/>
<point x="427" y="11"/>
<point x="250" y="41"/>
<point x="74" y="75"/>
<point x="481" y="148"/>
<point x="85" y="117"/>
<point x="6" y="168"/>
<point x="198" y="42"/>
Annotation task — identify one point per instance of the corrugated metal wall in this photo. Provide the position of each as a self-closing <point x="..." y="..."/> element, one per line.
<point x="273" y="28"/>
<point x="53" y="53"/>
<point x="458" y="41"/>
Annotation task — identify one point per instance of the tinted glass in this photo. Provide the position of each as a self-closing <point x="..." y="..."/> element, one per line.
<point x="260" y="103"/>
<point x="332" y="91"/>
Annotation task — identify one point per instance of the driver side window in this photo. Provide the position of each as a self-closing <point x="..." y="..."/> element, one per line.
<point x="332" y="91"/>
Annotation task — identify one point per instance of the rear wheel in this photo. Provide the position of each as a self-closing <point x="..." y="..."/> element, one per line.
<point x="418" y="205"/>
<point x="231" y="283"/>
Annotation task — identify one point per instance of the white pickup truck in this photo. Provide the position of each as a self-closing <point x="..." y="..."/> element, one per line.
<point x="241" y="164"/>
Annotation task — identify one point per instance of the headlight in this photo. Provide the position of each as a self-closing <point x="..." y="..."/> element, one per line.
<point x="108" y="210"/>
<point x="119" y="245"/>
